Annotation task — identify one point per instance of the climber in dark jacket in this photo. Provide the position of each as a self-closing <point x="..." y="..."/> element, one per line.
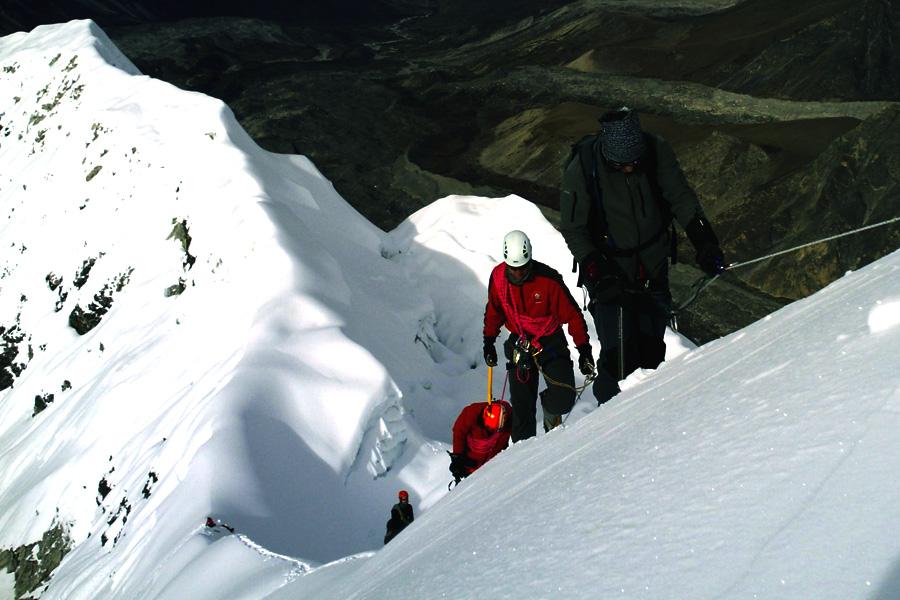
<point x="401" y="516"/>
<point x="480" y="432"/>
<point x="616" y="222"/>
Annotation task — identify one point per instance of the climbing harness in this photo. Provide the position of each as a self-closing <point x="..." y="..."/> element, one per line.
<point x="533" y="353"/>
<point x="551" y="381"/>
<point x="524" y="357"/>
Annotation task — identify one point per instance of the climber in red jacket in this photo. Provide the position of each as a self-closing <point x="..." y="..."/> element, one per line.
<point x="531" y="300"/>
<point x="480" y="432"/>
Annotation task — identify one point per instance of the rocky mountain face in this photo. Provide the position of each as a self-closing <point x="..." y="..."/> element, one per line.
<point x="785" y="122"/>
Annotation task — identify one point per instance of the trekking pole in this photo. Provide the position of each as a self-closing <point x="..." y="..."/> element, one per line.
<point x="621" y="344"/>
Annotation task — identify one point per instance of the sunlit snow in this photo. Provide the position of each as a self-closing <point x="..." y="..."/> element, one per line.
<point x="288" y="367"/>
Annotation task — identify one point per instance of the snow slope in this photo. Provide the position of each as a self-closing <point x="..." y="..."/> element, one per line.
<point x="273" y="360"/>
<point x="762" y="465"/>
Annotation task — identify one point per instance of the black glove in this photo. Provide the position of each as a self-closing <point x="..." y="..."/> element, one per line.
<point x="490" y="352"/>
<point x="711" y="260"/>
<point x="709" y="254"/>
<point x="458" y="464"/>
<point x="585" y="359"/>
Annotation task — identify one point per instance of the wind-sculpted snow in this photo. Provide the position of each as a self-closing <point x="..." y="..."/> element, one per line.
<point x="191" y="326"/>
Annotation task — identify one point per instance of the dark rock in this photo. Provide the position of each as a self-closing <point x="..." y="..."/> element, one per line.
<point x="84" y="272"/>
<point x="53" y="281"/>
<point x="103" y="489"/>
<point x="151" y="479"/>
<point x="180" y="234"/>
<point x="83" y="320"/>
<point x="175" y="290"/>
<point x="844" y="50"/>
<point x="58" y="305"/>
<point x="10" y="339"/>
<point x="41" y="402"/>
<point x="33" y="564"/>
<point x="853" y="183"/>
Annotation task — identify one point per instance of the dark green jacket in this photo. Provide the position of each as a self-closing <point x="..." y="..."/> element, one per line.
<point x="633" y="213"/>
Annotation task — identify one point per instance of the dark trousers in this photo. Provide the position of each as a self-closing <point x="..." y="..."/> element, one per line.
<point x="636" y="330"/>
<point x="556" y="363"/>
<point x="394" y="526"/>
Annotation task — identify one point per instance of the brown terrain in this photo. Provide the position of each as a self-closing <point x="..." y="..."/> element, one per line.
<point x="785" y="115"/>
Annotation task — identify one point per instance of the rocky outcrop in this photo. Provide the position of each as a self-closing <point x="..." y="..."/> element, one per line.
<point x="84" y="319"/>
<point x="12" y="362"/>
<point x="849" y="53"/>
<point x="853" y="183"/>
<point x="32" y="564"/>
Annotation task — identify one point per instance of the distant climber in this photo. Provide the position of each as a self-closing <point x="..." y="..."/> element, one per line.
<point x="620" y="191"/>
<point x="401" y="516"/>
<point x="480" y="432"/>
<point x="214" y="524"/>
<point x="532" y="301"/>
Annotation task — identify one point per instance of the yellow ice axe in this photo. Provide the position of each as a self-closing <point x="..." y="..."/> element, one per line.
<point x="490" y="385"/>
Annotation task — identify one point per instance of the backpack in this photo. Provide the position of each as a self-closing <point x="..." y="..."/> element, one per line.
<point x="583" y="150"/>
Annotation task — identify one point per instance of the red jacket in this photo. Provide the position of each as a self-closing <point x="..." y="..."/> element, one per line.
<point x="542" y="295"/>
<point x="478" y="443"/>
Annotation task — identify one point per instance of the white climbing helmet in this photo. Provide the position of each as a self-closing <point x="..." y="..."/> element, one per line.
<point x="516" y="249"/>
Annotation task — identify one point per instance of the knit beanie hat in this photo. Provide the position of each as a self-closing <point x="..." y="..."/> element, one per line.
<point x="621" y="139"/>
